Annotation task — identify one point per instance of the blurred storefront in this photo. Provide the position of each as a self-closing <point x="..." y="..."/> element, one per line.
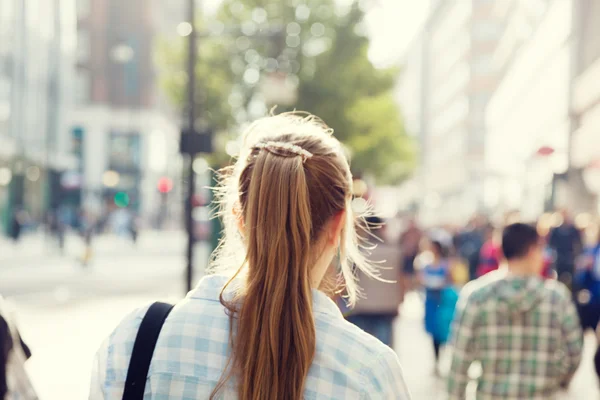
<point x="124" y="156"/>
<point x="127" y="133"/>
<point x="528" y="120"/>
<point x="37" y="50"/>
<point x="586" y="99"/>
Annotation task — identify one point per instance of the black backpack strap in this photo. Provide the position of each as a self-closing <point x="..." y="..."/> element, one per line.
<point x="143" y="349"/>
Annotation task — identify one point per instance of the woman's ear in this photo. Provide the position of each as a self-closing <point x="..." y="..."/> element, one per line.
<point x="335" y="228"/>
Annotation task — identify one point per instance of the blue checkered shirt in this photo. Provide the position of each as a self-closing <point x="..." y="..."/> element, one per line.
<point x="192" y="350"/>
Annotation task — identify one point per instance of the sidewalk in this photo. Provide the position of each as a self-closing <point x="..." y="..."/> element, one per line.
<point x="65" y="317"/>
<point x="38" y="247"/>
<point x="31" y="246"/>
<point x="119" y="272"/>
<point x="65" y="341"/>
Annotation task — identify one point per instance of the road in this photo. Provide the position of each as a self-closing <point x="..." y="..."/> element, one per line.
<point x="66" y="311"/>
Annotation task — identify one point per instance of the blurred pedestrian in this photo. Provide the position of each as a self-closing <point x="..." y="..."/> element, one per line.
<point x="16" y="225"/>
<point x="522" y="329"/>
<point x="264" y="329"/>
<point x="59" y="220"/>
<point x="87" y="228"/>
<point x="377" y="310"/>
<point x="491" y="253"/>
<point x="14" y="380"/>
<point x="567" y="244"/>
<point x="549" y="269"/>
<point x="133" y="227"/>
<point x="597" y="354"/>
<point x="440" y="297"/>
<point x="410" y="240"/>
<point x="586" y="286"/>
<point x="469" y="242"/>
<point x="52" y="224"/>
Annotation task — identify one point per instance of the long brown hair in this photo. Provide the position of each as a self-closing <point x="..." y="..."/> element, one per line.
<point x="284" y="200"/>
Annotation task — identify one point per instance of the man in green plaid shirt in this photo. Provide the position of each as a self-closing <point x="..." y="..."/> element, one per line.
<point x="523" y="330"/>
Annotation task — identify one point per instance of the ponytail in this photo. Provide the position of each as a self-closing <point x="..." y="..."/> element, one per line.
<point x="285" y="188"/>
<point x="275" y="318"/>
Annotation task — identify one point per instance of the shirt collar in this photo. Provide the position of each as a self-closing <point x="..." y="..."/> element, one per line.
<point x="210" y="287"/>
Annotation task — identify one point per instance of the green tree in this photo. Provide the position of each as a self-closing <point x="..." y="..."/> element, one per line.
<point x="323" y="52"/>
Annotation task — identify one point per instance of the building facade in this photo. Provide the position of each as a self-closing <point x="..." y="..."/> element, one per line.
<point x="586" y="98"/>
<point x="454" y="53"/>
<point x="128" y="139"/>
<point x="511" y="108"/>
<point x="37" y="51"/>
<point x="411" y="95"/>
<point x="538" y="118"/>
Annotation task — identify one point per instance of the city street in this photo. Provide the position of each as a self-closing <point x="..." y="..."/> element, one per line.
<point x="467" y="130"/>
<point x="66" y="311"/>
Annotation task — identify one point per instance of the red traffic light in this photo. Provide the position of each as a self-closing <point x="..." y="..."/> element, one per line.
<point x="545" y="151"/>
<point x="165" y="185"/>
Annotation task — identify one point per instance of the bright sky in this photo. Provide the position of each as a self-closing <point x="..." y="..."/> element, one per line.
<point x="392" y="25"/>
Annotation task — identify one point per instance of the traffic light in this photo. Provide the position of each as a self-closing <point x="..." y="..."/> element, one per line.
<point x="121" y="199"/>
<point x="192" y="142"/>
<point x="165" y="185"/>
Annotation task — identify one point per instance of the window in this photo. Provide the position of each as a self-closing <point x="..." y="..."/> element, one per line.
<point x="83" y="46"/>
<point x="4" y="106"/>
<point x="82" y="86"/>
<point x="590" y="43"/>
<point x="83" y="8"/>
<point x="7" y="15"/>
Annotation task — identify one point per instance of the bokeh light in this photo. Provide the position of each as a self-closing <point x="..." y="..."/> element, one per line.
<point x="5" y="176"/>
<point x="259" y="15"/>
<point x="111" y="179"/>
<point x="184" y="29"/>
<point x="317" y="29"/>
<point x="200" y="165"/>
<point x="293" y="29"/>
<point x="292" y="41"/>
<point x="32" y="173"/>
<point x="302" y="12"/>
<point x="249" y="28"/>
<point x="121" y="199"/>
<point x="251" y="76"/>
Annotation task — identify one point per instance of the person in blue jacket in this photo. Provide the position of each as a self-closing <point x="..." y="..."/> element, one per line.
<point x="587" y="286"/>
<point x="440" y="296"/>
<point x="587" y="296"/>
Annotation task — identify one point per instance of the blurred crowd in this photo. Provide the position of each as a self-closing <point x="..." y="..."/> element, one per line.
<point x="62" y="222"/>
<point x="438" y="263"/>
<point x="59" y="221"/>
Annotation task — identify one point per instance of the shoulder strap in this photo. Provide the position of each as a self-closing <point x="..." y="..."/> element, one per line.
<point x="143" y="349"/>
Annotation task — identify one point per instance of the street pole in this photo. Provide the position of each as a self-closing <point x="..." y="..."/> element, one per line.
<point x="191" y="189"/>
<point x="193" y="142"/>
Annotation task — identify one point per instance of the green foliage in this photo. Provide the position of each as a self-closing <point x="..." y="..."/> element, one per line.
<point x="215" y="81"/>
<point x="335" y="79"/>
<point x="376" y="127"/>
